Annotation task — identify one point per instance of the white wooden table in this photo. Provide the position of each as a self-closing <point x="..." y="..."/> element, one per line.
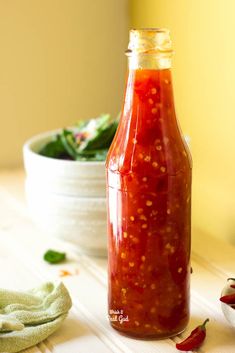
<point x="86" y="330"/>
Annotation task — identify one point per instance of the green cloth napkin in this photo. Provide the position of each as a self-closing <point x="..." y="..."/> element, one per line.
<point x="27" y="318"/>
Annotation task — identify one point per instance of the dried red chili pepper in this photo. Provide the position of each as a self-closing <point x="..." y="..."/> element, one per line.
<point x="228" y="299"/>
<point x="195" y="339"/>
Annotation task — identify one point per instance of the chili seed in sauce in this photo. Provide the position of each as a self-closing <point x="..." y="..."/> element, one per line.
<point x="134" y="141"/>
<point x="153" y="90"/>
<point x="149" y="203"/>
<point x="147" y="159"/>
<point x="143" y="218"/>
<point x="154" y="110"/>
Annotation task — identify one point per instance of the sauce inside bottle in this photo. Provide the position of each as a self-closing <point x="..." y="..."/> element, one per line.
<point x="149" y="204"/>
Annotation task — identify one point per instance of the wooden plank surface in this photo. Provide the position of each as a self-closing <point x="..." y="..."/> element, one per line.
<point x="87" y="329"/>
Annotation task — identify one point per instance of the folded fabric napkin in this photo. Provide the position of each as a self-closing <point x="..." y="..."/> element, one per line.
<point x="27" y="318"/>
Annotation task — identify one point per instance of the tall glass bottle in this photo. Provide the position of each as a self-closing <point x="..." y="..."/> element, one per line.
<point x="149" y="199"/>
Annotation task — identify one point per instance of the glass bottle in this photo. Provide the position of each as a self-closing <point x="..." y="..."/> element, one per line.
<point x="149" y="199"/>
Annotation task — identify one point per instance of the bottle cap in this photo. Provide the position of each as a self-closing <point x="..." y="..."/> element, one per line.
<point x="149" y="41"/>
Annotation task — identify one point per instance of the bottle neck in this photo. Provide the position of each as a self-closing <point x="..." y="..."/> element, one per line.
<point x="148" y="61"/>
<point x="150" y="89"/>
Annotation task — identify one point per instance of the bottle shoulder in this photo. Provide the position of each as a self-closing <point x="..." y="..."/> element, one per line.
<point x="164" y="155"/>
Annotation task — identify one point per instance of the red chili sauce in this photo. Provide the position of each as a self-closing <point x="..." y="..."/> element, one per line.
<point x="149" y="193"/>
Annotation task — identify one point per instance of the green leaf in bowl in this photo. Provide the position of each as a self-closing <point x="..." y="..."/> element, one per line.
<point x="53" y="149"/>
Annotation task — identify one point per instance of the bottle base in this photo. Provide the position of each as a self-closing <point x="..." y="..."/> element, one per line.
<point x="146" y="336"/>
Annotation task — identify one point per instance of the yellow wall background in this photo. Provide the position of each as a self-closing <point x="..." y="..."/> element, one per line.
<point x="63" y="60"/>
<point x="60" y="61"/>
<point x="203" y="34"/>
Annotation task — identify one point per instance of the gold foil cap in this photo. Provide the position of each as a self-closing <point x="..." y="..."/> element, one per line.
<point x="149" y="41"/>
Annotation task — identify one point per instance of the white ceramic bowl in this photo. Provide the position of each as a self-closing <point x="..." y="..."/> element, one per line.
<point x="62" y="176"/>
<point x="66" y="198"/>
<point x="228" y="311"/>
